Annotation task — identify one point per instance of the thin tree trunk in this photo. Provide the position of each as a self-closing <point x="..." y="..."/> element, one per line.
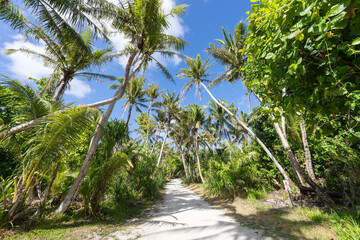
<point x="283" y="120"/>
<point x="280" y="132"/>
<point x="183" y="161"/>
<point x="95" y="139"/>
<point x="198" y="160"/>
<point x="154" y="145"/>
<point x="129" y="114"/>
<point x="162" y="147"/>
<point x="48" y="188"/>
<point x="308" y="162"/>
<point x="253" y="136"/>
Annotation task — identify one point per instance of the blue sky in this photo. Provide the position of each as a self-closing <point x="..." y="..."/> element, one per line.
<point x="200" y="26"/>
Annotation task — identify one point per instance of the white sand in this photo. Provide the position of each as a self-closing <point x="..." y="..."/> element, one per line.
<point x="184" y="215"/>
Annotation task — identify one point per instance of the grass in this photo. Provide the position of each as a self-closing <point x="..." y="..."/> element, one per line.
<point x="288" y="223"/>
<point x="75" y="226"/>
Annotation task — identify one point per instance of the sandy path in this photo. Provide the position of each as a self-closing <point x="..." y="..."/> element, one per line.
<point x="184" y="215"/>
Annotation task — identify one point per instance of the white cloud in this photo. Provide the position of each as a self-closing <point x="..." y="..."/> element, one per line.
<point x="22" y="65"/>
<point x="78" y="89"/>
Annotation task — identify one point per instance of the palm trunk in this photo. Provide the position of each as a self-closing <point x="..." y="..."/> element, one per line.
<point x="183" y="161"/>
<point x="129" y="114"/>
<point x="162" y="148"/>
<point x="198" y="160"/>
<point x="147" y="130"/>
<point x="95" y="139"/>
<point x="61" y="89"/>
<point x="154" y="145"/>
<point x="308" y="162"/>
<point x="253" y="136"/>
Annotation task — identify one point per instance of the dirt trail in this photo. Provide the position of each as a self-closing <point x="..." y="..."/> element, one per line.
<point x="184" y="215"/>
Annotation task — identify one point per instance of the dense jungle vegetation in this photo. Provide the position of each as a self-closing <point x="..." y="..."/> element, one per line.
<point x="298" y="58"/>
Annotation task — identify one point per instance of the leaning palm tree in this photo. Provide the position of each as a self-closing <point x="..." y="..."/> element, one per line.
<point x="144" y="23"/>
<point x="71" y="60"/>
<point x="231" y="54"/>
<point x="196" y="73"/>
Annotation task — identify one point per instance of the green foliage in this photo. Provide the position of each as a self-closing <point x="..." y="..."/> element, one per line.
<point x="310" y="49"/>
<point x="245" y="173"/>
<point x="347" y="226"/>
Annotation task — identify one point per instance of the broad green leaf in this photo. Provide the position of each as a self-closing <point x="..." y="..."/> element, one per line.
<point x="292" y="35"/>
<point x="356" y="41"/>
<point x="308" y="9"/>
<point x="338" y="8"/>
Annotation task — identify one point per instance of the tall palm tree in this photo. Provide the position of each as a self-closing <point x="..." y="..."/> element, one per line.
<point x="135" y="96"/>
<point x="144" y="23"/>
<point x="152" y="92"/>
<point x="196" y="73"/>
<point x="170" y="108"/>
<point x="197" y="118"/>
<point x="231" y="54"/>
<point x="71" y="60"/>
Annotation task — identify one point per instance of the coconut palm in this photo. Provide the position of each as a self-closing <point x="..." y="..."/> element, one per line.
<point x="230" y="53"/>
<point x="152" y="92"/>
<point x="58" y="19"/>
<point x="196" y="73"/>
<point x="197" y="119"/>
<point x="170" y="108"/>
<point x="71" y="60"/>
<point x="144" y="23"/>
<point x="135" y="96"/>
<point x="219" y="119"/>
<point x="60" y="132"/>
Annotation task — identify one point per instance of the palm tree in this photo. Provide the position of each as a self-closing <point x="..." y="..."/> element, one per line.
<point x="135" y="96"/>
<point x="170" y="108"/>
<point x="197" y="118"/>
<point x="219" y="119"/>
<point x="196" y="72"/>
<point x="230" y="53"/>
<point x="152" y="92"/>
<point x="144" y="23"/>
<point x="58" y="19"/>
<point x="60" y="132"/>
<point x="71" y="60"/>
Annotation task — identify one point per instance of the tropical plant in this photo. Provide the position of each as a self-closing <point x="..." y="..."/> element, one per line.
<point x="144" y="23"/>
<point x="71" y="60"/>
<point x="196" y="73"/>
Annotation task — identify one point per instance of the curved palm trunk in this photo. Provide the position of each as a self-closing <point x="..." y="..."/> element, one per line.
<point x="308" y="162"/>
<point x="129" y="114"/>
<point x="162" y="147"/>
<point x="198" y="160"/>
<point x="252" y="135"/>
<point x="96" y="137"/>
<point x="147" y="131"/>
